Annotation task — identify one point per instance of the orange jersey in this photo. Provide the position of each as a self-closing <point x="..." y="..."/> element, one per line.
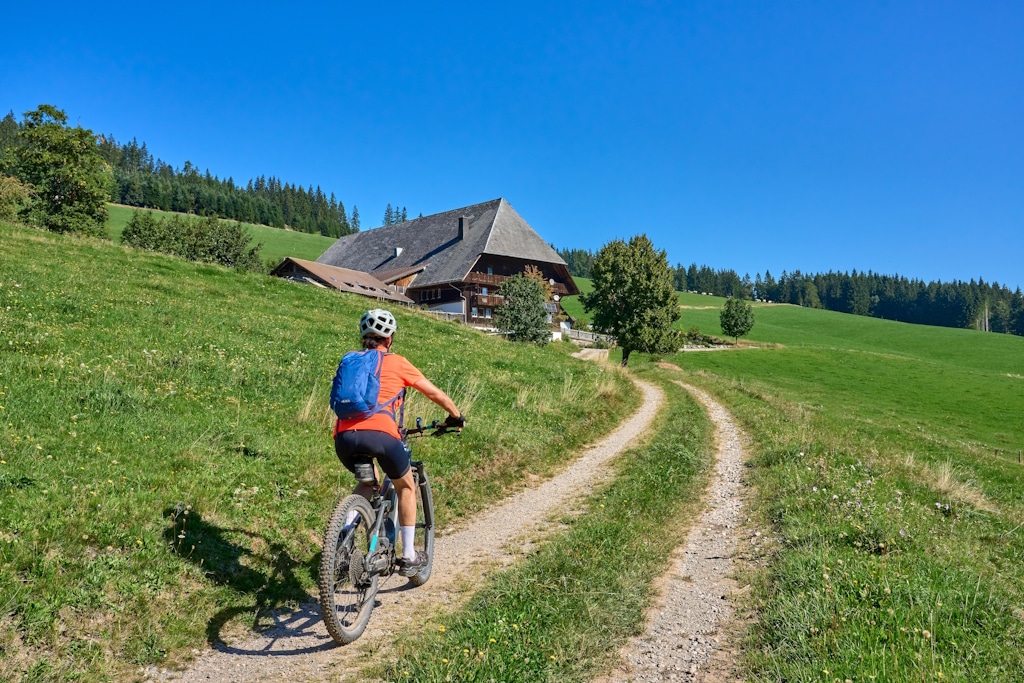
<point x="396" y="374"/>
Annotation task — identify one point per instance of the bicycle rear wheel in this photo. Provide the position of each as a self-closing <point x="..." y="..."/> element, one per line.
<point x="424" y="523"/>
<point x="347" y="592"/>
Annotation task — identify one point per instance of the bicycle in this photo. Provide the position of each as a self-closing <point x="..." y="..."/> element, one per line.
<point x="357" y="555"/>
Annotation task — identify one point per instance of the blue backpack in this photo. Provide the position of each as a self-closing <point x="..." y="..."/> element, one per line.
<point x="356" y="386"/>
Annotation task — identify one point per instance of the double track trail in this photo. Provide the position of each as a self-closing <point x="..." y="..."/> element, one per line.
<point x="298" y="647"/>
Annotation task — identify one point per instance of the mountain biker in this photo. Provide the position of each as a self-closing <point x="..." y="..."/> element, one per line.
<point x="378" y="435"/>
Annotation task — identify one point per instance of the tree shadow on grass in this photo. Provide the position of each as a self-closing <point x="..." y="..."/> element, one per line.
<point x="230" y="557"/>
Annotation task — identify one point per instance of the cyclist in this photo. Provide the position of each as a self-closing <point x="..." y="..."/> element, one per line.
<point x="378" y="435"/>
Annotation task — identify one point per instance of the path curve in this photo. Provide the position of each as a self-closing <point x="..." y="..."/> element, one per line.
<point x="298" y="648"/>
<point x="684" y="638"/>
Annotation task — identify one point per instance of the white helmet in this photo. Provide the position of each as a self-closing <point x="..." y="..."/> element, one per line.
<point x="377" y="323"/>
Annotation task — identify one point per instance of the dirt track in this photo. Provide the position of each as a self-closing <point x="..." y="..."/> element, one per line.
<point x="686" y="638"/>
<point x="298" y="647"/>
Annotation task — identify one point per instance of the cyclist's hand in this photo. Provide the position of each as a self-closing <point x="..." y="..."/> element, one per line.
<point x="456" y="423"/>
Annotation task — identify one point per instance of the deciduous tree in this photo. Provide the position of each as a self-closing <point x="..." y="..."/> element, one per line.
<point x="64" y="167"/>
<point x="737" y="318"/>
<point x="633" y="297"/>
<point x="521" y="315"/>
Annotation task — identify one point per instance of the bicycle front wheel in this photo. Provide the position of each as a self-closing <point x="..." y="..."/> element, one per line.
<point x="424" y="523"/>
<point x="347" y="591"/>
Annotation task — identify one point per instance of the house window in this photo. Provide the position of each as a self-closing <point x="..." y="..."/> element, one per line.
<point x="490" y="270"/>
<point x="474" y="313"/>
<point x="484" y="292"/>
<point x="487" y="313"/>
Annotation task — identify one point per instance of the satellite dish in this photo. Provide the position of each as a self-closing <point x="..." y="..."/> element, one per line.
<point x="551" y="282"/>
<point x="556" y="297"/>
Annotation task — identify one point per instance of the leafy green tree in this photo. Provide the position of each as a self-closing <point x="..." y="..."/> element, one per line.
<point x="633" y="297"/>
<point x="64" y="167"/>
<point x="737" y="318"/>
<point x="521" y="315"/>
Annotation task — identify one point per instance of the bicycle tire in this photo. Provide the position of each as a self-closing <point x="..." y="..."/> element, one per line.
<point x="346" y="594"/>
<point x="424" y="524"/>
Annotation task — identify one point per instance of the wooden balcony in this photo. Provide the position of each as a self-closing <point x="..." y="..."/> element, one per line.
<point x="487" y="300"/>
<point x="485" y="279"/>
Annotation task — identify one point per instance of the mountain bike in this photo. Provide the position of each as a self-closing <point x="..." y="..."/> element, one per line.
<point x="358" y="554"/>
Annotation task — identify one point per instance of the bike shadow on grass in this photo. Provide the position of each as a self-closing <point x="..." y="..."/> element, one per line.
<point x="230" y="557"/>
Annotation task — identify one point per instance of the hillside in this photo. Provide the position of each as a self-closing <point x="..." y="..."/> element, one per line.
<point x="137" y="387"/>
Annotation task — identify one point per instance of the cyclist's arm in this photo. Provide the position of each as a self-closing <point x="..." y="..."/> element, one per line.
<point x="427" y="388"/>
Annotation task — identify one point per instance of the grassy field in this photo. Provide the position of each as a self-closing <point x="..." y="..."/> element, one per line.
<point x="166" y="470"/>
<point x="165" y="461"/>
<point x="885" y="462"/>
<point x="276" y="243"/>
<point x="885" y="465"/>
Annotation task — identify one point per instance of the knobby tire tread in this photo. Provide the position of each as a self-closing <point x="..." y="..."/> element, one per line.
<point x="341" y="632"/>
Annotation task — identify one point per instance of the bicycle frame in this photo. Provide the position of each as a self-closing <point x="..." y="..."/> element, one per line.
<point x="350" y="569"/>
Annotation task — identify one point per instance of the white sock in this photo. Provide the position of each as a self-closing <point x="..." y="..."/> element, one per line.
<point x="408" y="542"/>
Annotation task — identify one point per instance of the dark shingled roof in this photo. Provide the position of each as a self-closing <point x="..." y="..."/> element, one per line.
<point x="433" y="243"/>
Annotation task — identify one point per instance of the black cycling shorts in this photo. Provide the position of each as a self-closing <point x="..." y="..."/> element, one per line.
<point x="360" y="445"/>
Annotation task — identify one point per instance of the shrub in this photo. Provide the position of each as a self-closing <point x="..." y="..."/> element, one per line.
<point x="15" y="196"/>
<point x="209" y="240"/>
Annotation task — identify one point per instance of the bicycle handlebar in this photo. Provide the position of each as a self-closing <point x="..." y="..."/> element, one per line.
<point x="437" y="426"/>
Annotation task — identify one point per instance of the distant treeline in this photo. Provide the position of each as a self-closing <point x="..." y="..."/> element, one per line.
<point x="144" y="181"/>
<point x="975" y="304"/>
<point x="147" y="182"/>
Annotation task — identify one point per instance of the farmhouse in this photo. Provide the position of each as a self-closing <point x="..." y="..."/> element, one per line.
<point x="454" y="261"/>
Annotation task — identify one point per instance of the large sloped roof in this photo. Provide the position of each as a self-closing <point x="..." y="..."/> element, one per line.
<point x="433" y="243"/>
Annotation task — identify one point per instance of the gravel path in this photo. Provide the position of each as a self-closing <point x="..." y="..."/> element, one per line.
<point x="298" y="647"/>
<point x="685" y="638"/>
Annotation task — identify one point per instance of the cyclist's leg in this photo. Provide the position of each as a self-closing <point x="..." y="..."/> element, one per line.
<point x="395" y="461"/>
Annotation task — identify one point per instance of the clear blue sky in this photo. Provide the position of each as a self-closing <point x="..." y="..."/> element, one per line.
<point x="882" y="136"/>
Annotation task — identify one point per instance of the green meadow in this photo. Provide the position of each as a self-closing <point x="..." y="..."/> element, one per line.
<point x="166" y="470"/>
<point x="166" y="463"/>
<point x="885" y="463"/>
<point x="277" y="243"/>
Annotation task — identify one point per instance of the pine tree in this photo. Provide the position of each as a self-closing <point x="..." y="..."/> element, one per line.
<point x="389" y="215"/>
<point x="355" y="218"/>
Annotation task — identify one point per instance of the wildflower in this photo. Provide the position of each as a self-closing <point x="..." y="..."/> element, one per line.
<point x="441" y="628"/>
<point x="927" y="634"/>
<point x="444" y="660"/>
<point x="492" y="640"/>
